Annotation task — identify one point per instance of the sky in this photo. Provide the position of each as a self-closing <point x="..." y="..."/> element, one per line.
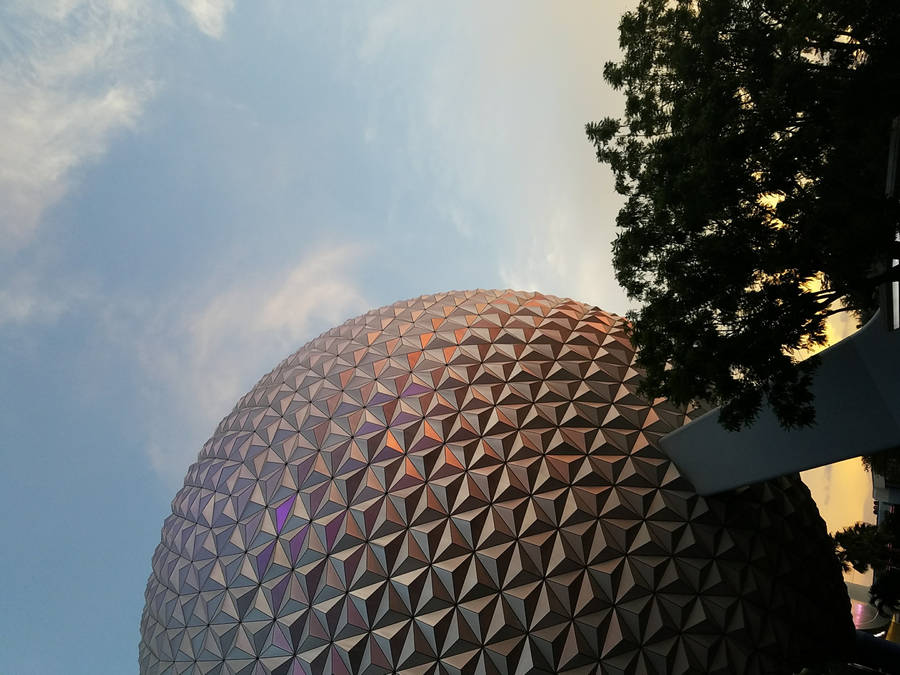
<point x="190" y="190"/>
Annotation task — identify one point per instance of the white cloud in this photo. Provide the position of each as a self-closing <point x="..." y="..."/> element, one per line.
<point x="25" y="304"/>
<point x="564" y="256"/>
<point x="74" y="73"/>
<point x="540" y="257"/>
<point x="26" y="299"/>
<point x="209" y="15"/>
<point x="199" y="357"/>
<point x="47" y="134"/>
<point x="495" y="109"/>
<point x="531" y="93"/>
<point x="382" y="27"/>
<point x="69" y="82"/>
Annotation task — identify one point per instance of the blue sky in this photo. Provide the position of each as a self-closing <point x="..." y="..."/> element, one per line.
<point x="190" y="190"/>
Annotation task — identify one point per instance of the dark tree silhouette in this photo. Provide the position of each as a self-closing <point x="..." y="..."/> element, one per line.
<point x="885" y="591"/>
<point x="752" y="155"/>
<point x="862" y="546"/>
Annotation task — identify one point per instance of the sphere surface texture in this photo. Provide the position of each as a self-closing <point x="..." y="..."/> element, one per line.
<point x="470" y="483"/>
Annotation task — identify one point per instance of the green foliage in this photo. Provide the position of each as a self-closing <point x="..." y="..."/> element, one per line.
<point x="751" y="155"/>
<point x="885" y="592"/>
<point x="862" y="546"/>
<point x="865" y="545"/>
<point x="886" y="463"/>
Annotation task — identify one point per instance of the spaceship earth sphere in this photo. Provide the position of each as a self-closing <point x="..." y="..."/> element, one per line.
<point x="470" y="483"/>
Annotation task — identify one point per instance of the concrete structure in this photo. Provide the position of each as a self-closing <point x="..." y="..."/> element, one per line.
<point x="885" y="494"/>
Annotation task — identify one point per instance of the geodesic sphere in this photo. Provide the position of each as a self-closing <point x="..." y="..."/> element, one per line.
<point x="469" y="483"/>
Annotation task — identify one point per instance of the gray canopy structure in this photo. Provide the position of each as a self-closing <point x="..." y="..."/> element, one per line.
<point x="857" y="399"/>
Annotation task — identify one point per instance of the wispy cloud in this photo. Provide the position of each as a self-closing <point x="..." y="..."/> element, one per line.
<point x="527" y="120"/>
<point x="199" y="356"/>
<point x="25" y="299"/>
<point x="73" y="75"/>
<point x="565" y="256"/>
<point x="209" y="15"/>
<point x="385" y="25"/>
<point x="69" y="80"/>
<point x="495" y="128"/>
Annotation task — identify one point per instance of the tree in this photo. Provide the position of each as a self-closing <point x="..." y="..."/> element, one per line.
<point x="862" y="546"/>
<point x="885" y="591"/>
<point x="751" y="156"/>
<point x="886" y="463"/>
